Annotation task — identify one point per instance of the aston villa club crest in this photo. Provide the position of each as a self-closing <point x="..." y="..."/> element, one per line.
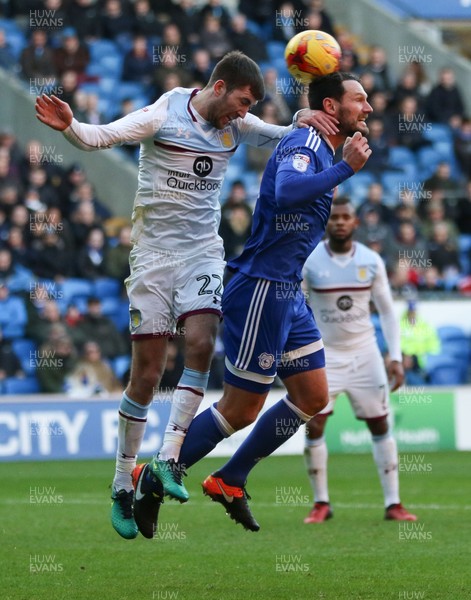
<point x="226" y="138"/>
<point x="362" y="274"/>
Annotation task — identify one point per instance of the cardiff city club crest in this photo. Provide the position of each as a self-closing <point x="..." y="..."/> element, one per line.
<point x="362" y="274"/>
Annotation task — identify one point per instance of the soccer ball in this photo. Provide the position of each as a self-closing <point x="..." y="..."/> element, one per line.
<point x="311" y="54"/>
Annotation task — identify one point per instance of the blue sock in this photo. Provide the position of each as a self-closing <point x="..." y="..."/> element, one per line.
<point x="272" y="429"/>
<point x="203" y="435"/>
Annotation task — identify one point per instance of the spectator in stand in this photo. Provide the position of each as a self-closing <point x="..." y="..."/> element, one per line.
<point x="410" y="125"/>
<point x="10" y="365"/>
<point x="435" y="213"/>
<point x="371" y="228"/>
<point x="419" y="339"/>
<point x="43" y="315"/>
<point x="431" y="281"/>
<point x="185" y="15"/>
<point x="91" y="259"/>
<point x="138" y="65"/>
<point x="326" y="23"/>
<point x="16" y="243"/>
<point x="407" y="85"/>
<point x="243" y="39"/>
<point x="288" y="21"/>
<point x="116" y="24"/>
<point x="272" y="93"/>
<point x="374" y="199"/>
<point x="4" y="227"/>
<point x="445" y="101"/>
<point x="172" y="40"/>
<point x="7" y="58"/>
<point x="98" y="328"/>
<point x="85" y="17"/>
<point x="83" y="220"/>
<point x="169" y="62"/>
<point x="12" y="313"/>
<point x="19" y="217"/>
<point x="145" y="22"/>
<point x="462" y="146"/>
<point x="38" y="155"/>
<point x="72" y="55"/>
<point x="92" y="376"/>
<point x="237" y="196"/>
<point x="235" y="229"/>
<point x="37" y="59"/>
<point x="442" y="181"/>
<point x="9" y="194"/>
<point x="38" y="180"/>
<point x="57" y="360"/>
<point x="68" y="85"/>
<point x="379" y="102"/>
<point x="443" y="253"/>
<point x="16" y="277"/>
<point x="378" y="142"/>
<point x="409" y="252"/>
<point x="85" y="192"/>
<point x="51" y="258"/>
<point x="377" y="65"/>
<point x="216" y="9"/>
<point x="117" y="260"/>
<point x="215" y="38"/>
<point x="87" y="108"/>
<point x="260" y="12"/>
<point x="201" y="66"/>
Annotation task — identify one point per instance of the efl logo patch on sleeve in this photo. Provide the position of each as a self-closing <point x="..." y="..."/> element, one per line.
<point x="300" y="162"/>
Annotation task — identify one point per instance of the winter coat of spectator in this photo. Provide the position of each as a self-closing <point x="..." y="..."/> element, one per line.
<point x="138" y="65"/>
<point x="16" y="277"/>
<point x="117" y="259"/>
<point x="37" y="60"/>
<point x="445" y="100"/>
<point x="85" y="17"/>
<point x="72" y="55"/>
<point x="92" y="376"/>
<point x="57" y="358"/>
<point x="462" y="146"/>
<point x="91" y="259"/>
<point x="51" y="258"/>
<point x="246" y="41"/>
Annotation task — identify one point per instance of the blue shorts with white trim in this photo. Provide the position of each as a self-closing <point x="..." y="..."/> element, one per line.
<point x="268" y="329"/>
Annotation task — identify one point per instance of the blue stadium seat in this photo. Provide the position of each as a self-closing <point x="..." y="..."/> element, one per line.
<point x="106" y="286"/>
<point x="24" y="350"/>
<point x="100" y="48"/>
<point x="276" y="50"/>
<point x="17" y="42"/>
<point x="402" y="158"/>
<point x="129" y="89"/>
<point x="109" y="306"/>
<point x="428" y="159"/>
<point x="357" y="187"/>
<point x="15" y="385"/>
<point x="72" y="288"/>
<point x="451" y="332"/>
<point x="120" y="365"/>
<point x="445" y="370"/>
<point x="438" y="132"/>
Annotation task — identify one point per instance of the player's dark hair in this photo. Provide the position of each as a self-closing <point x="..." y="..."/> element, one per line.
<point x="328" y="86"/>
<point x="237" y="71"/>
<point x="343" y="201"/>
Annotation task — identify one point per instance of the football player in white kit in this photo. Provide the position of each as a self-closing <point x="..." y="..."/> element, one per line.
<point x="342" y="277"/>
<point x="186" y="140"/>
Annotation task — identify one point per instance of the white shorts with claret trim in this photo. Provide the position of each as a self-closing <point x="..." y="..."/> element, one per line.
<point x="363" y="378"/>
<point x="166" y="287"/>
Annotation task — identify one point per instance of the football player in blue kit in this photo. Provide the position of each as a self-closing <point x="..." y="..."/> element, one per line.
<point x="268" y="327"/>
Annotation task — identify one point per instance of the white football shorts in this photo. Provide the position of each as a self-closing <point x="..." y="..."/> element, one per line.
<point x="364" y="380"/>
<point x="165" y="287"/>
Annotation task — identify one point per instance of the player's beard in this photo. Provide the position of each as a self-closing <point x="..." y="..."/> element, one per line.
<point x="348" y="125"/>
<point x="342" y="239"/>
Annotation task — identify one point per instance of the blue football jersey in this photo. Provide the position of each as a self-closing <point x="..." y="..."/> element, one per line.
<point x="293" y="207"/>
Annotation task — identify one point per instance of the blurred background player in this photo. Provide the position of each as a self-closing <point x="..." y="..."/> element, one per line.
<point x="187" y="137"/>
<point x="342" y="277"/>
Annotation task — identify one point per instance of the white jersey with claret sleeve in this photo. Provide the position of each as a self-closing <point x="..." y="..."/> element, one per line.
<point x="340" y="289"/>
<point x="182" y="164"/>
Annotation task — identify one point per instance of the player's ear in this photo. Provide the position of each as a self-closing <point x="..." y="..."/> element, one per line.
<point x="329" y="106"/>
<point x="219" y="88"/>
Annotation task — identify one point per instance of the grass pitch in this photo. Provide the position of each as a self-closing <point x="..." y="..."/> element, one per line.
<point x="58" y="544"/>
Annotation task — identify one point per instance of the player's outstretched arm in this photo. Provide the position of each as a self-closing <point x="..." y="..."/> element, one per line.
<point x="320" y="120"/>
<point x="53" y="112"/>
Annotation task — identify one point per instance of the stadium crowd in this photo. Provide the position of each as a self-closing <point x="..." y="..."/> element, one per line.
<point x="413" y="198"/>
